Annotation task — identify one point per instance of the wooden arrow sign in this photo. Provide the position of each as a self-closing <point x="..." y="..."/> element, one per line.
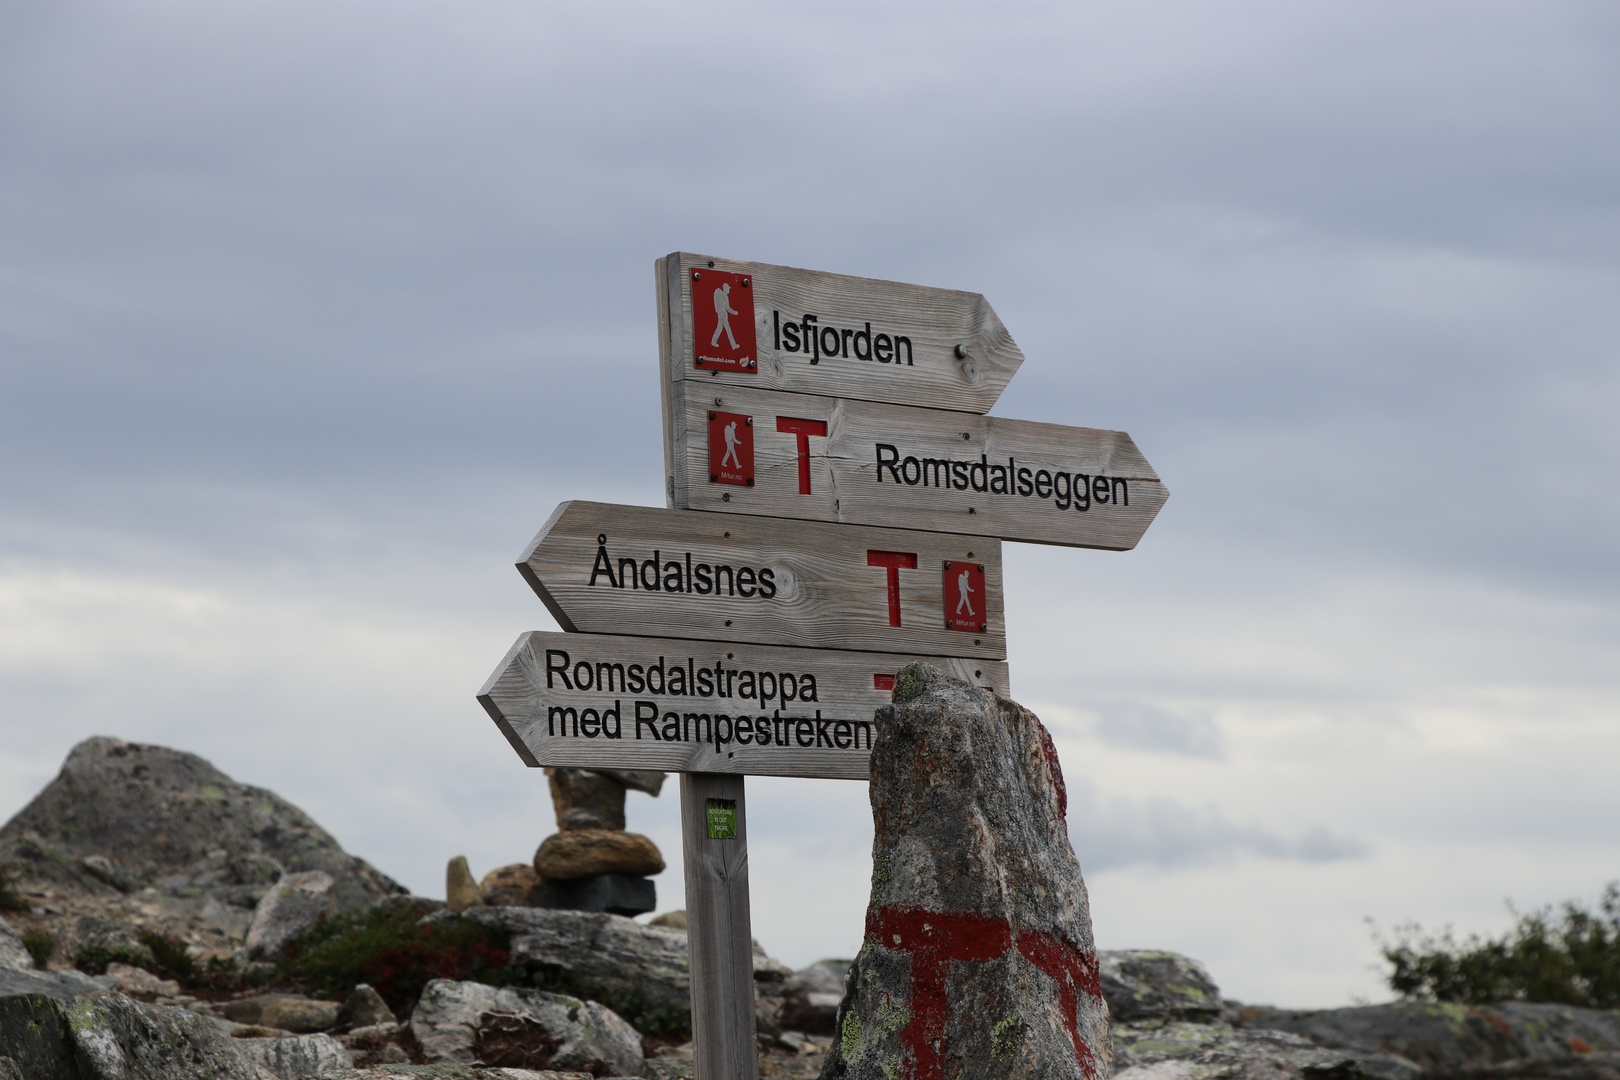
<point x="827" y="459"/>
<point x="613" y="702"/>
<point x="605" y="569"/>
<point x="729" y="323"/>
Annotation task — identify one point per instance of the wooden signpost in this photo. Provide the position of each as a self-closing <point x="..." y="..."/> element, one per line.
<point x="729" y="323"/>
<point x="872" y="464"/>
<point x="617" y="702"/>
<point x="606" y="569"/>
<point x="857" y="498"/>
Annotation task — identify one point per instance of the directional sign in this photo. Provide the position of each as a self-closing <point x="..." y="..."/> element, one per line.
<point x="729" y="323"/>
<point x="605" y="569"/>
<point x="608" y="701"/>
<point x="893" y="465"/>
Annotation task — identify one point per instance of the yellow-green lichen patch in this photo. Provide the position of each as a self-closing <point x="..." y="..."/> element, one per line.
<point x="1006" y="1035"/>
<point x="880" y="875"/>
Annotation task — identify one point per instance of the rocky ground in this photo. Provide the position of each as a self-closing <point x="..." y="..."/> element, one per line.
<point x="223" y="869"/>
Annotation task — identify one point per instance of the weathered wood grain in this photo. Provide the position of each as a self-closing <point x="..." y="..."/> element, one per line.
<point x="847" y="486"/>
<point x="825" y="592"/>
<point x="525" y="688"/>
<point x="719" y="933"/>
<point x="962" y="357"/>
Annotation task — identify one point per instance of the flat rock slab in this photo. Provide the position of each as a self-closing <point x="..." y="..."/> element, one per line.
<point x="1445" y="1039"/>
<point x="598" y="948"/>
<point x="1179" y="1050"/>
<point x="978" y="959"/>
<point x="1150" y="984"/>
<point x="579" y="853"/>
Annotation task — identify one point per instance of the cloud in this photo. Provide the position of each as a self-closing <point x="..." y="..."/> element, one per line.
<point x="1111" y="833"/>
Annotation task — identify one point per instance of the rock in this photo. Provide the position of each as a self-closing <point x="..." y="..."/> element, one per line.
<point x="140" y="984"/>
<point x="460" y="890"/>
<point x="248" y="1010"/>
<point x="674" y="920"/>
<point x="154" y="814"/>
<point x="466" y="1022"/>
<point x="580" y="818"/>
<point x="301" y="1015"/>
<point x="104" y="941"/>
<point x="420" y="906"/>
<point x="583" y="852"/>
<point x="619" y="893"/>
<point x="296" y="1056"/>
<point x="587" y="790"/>
<point x="810" y="997"/>
<point x="63" y="985"/>
<point x="455" y="1072"/>
<point x="978" y="959"/>
<point x="1178" y="1050"/>
<point x="112" y="1037"/>
<point x="364" y="1008"/>
<point x="292" y="907"/>
<point x="13" y="953"/>
<point x="511" y="886"/>
<point x="102" y="868"/>
<point x="1144" y="984"/>
<point x="603" y="950"/>
<point x="636" y="779"/>
<point x="225" y="918"/>
<point x="1398" y="1039"/>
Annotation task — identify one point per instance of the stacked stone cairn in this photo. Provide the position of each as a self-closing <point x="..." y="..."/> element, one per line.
<point x="590" y="864"/>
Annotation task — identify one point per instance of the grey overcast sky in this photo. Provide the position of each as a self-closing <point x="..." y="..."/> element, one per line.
<point x="310" y="313"/>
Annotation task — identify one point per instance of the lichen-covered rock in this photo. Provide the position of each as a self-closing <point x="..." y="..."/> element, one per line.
<point x="467" y="1022"/>
<point x="978" y="959"/>
<point x="1180" y="1050"/>
<point x="141" y="984"/>
<point x="1146" y="984"/>
<point x="1446" y="1039"/>
<point x="148" y="815"/>
<point x="295" y="1057"/>
<point x="598" y="948"/>
<point x="585" y="789"/>
<point x="581" y="853"/>
<point x="13" y="954"/>
<point x="111" y="1037"/>
<point x="292" y="907"/>
<point x="103" y="941"/>
<point x="64" y="985"/>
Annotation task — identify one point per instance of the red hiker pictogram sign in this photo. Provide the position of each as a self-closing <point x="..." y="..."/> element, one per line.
<point x="723" y="321"/>
<point x="731" y="448"/>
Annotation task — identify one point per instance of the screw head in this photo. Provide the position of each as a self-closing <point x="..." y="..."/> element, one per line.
<point x="961" y="352"/>
<point x="726" y="497"/>
<point x="966" y="436"/>
<point x="972" y="510"/>
<point x="717" y="401"/>
<point x="713" y="478"/>
<point x="696" y="276"/>
<point x="746" y="283"/>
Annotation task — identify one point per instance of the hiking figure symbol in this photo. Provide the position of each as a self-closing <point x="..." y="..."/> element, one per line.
<point x="966" y="590"/>
<point x="731" y="439"/>
<point x="723" y="310"/>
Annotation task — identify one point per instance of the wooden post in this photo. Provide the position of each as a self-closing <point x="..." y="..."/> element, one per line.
<point x="714" y="842"/>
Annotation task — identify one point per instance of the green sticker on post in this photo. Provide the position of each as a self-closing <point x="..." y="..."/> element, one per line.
<point x="722" y="819"/>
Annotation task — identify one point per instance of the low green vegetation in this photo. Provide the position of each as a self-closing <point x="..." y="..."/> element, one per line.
<point x="40" y="943"/>
<point x="1568" y="957"/>
<point x="10" y="898"/>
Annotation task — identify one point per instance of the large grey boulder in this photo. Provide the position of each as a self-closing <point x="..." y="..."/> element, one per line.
<point x="597" y="948"/>
<point x="63" y="985"/>
<point x="110" y="1037"/>
<point x="147" y="815"/>
<point x="291" y="908"/>
<point x="467" y="1022"/>
<point x="1398" y="1039"/>
<point x="1146" y="984"/>
<point x="13" y="954"/>
<point x="810" y="997"/>
<point x="978" y="960"/>
<point x="1179" y="1050"/>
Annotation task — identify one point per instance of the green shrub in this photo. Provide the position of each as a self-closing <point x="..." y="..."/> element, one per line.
<point x="1572" y="958"/>
<point x="389" y="950"/>
<point x="662" y="1022"/>
<point x="40" y="943"/>
<point x="10" y="898"/>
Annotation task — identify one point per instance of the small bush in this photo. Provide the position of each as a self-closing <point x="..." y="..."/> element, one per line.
<point x="1572" y="958"/>
<point x="40" y="943"/>
<point x="10" y="898"/>
<point x="658" y="1022"/>
<point x="387" y="949"/>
